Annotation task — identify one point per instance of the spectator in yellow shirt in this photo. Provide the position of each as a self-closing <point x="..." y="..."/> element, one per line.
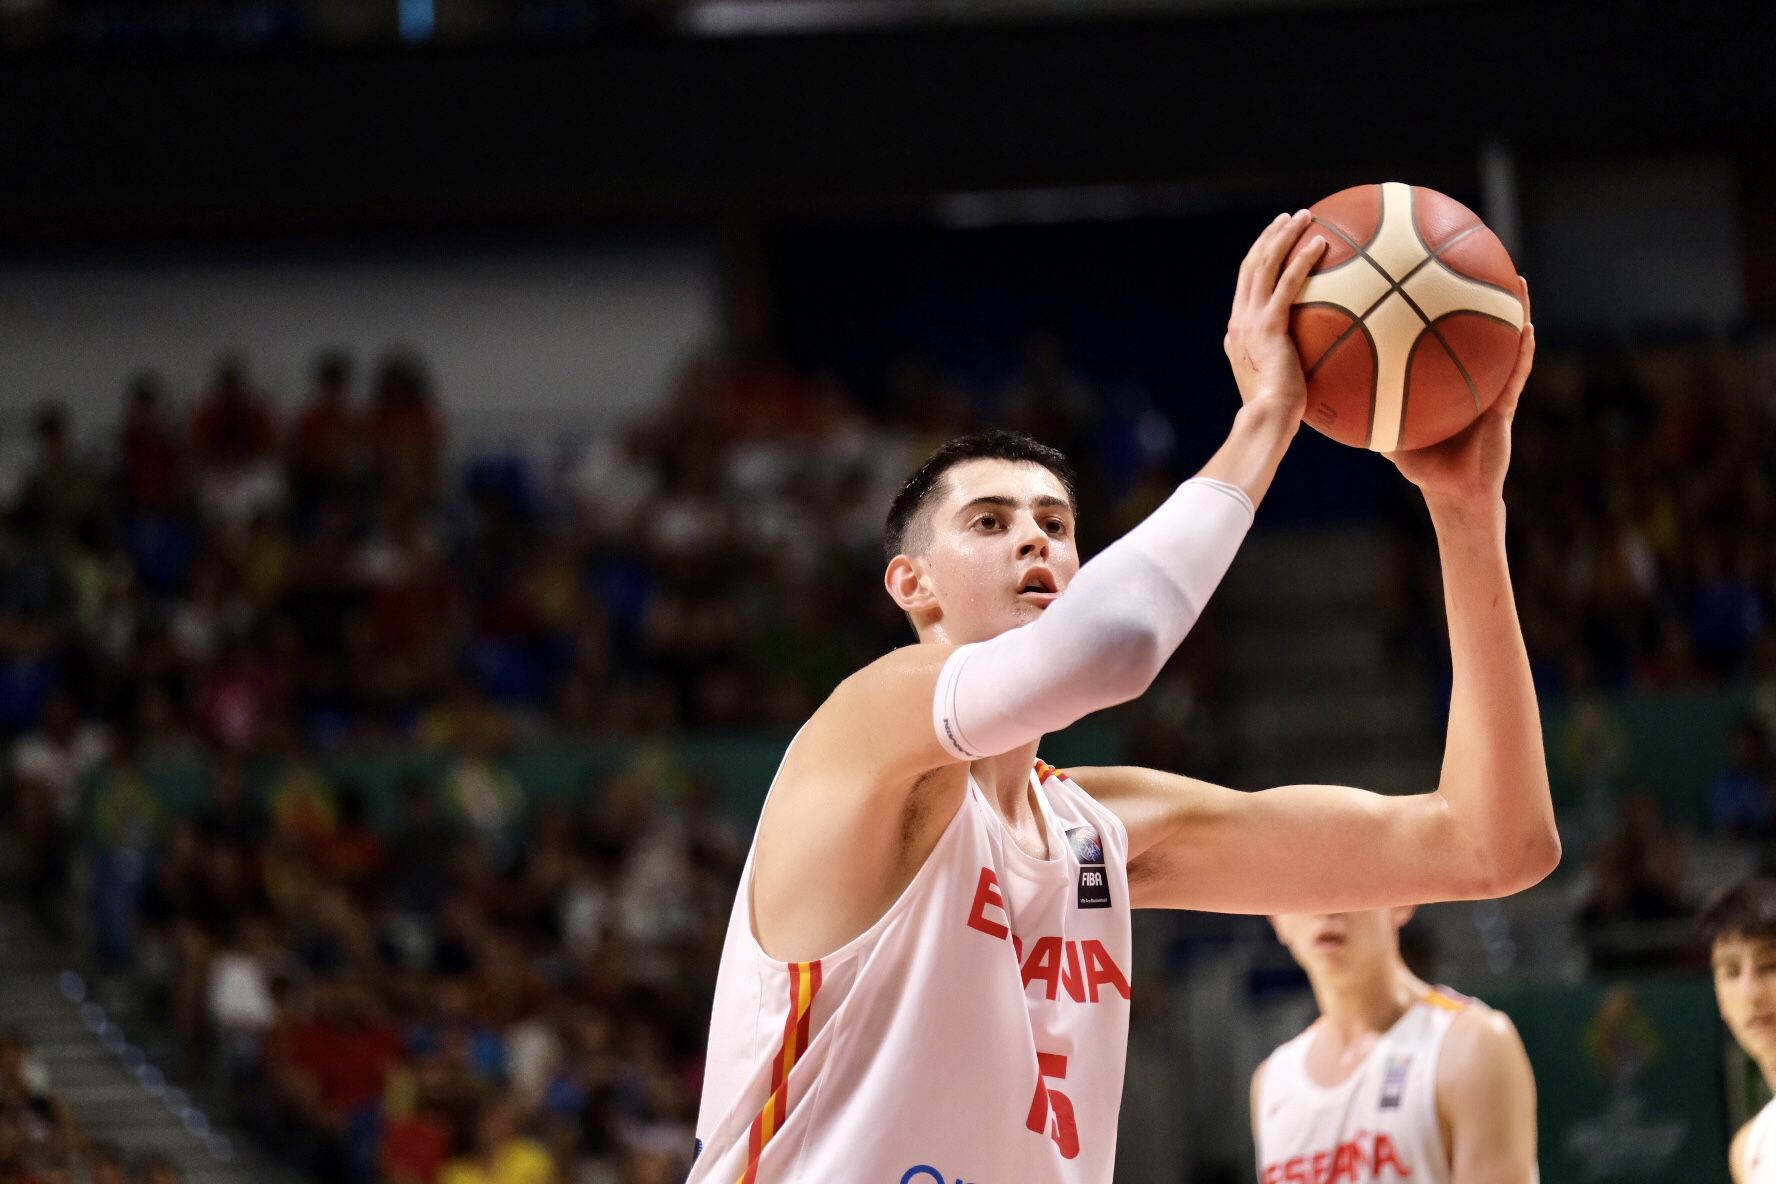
<point x="501" y="1154"/>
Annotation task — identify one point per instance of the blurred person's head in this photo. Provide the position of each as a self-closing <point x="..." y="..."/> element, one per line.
<point x="332" y="375"/>
<point x="156" y="1169"/>
<point x="228" y="782"/>
<point x="145" y="398"/>
<point x="1345" y="953"/>
<point x="498" y="1124"/>
<point x="49" y="427"/>
<point x="228" y="380"/>
<point x="59" y="715"/>
<point x="13" y="1050"/>
<point x="1739" y="924"/>
<point x="647" y="1165"/>
<point x="1749" y="748"/>
<point x="981" y="538"/>
<point x="418" y="804"/>
<point x="402" y="380"/>
<point x="12" y="1140"/>
<point x="105" y="1164"/>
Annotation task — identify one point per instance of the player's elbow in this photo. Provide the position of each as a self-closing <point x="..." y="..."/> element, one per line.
<point x="1525" y="864"/>
<point x="1128" y="657"/>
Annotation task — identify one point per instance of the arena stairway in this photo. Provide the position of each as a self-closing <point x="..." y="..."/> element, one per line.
<point x="95" y="1063"/>
<point x="1320" y="698"/>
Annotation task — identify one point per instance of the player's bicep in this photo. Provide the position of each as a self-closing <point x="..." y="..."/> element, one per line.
<point x="1486" y="1100"/>
<point x="1297" y="848"/>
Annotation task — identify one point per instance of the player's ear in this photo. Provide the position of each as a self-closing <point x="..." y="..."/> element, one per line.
<point x="1276" y="926"/>
<point x="906" y="583"/>
<point x="1402" y="914"/>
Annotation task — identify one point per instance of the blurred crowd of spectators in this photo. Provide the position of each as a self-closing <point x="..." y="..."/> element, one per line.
<point x="418" y="1003"/>
<point x="259" y="594"/>
<point x="42" y="1142"/>
<point x="1643" y="502"/>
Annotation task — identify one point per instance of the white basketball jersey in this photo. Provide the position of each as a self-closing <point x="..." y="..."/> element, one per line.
<point x="975" y="1034"/>
<point x="1378" y="1124"/>
<point x="1760" y="1147"/>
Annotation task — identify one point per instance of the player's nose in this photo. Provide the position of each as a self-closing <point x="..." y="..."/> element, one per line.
<point x="1032" y="539"/>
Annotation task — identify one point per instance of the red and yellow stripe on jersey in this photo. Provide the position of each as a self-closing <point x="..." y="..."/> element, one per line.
<point x="804" y="984"/>
<point x="1445" y="999"/>
<point x="1044" y="771"/>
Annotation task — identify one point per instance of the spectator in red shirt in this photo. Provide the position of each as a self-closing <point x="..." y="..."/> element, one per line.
<point x="324" y="438"/>
<point x="147" y="449"/>
<point x="232" y="423"/>
<point x="406" y="436"/>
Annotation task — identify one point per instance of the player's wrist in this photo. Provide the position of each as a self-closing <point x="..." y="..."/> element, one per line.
<point x="1481" y="510"/>
<point x="1270" y="413"/>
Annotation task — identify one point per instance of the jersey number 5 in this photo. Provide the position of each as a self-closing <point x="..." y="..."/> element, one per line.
<point x="1050" y="1101"/>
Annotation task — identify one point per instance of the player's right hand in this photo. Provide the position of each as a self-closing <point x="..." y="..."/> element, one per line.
<point x="1265" y="363"/>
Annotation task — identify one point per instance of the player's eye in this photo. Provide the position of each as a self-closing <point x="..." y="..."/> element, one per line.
<point x="1056" y="527"/>
<point x="988" y="522"/>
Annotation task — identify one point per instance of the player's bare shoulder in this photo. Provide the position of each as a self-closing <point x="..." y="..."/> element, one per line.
<point x="862" y="796"/>
<point x="875" y="729"/>
<point x="1739" y="1151"/>
<point x="1482" y="1059"/>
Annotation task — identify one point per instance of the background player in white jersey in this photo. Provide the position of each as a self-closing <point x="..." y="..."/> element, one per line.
<point x="925" y="976"/>
<point x="1739" y="923"/>
<point x="1396" y="1079"/>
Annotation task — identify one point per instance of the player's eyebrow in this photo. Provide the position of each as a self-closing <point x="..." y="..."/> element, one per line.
<point x="1047" y="501"/>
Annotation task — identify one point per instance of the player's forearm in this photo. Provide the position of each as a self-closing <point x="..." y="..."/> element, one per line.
<point x="1261" y="434"/>
<point x="1495" y="775"/>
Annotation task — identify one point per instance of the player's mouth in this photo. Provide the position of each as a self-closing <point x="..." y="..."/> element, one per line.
<point x="1038" y="587"/>
<point x="1329" y="941"/>
<point x="1762" y="1021"/>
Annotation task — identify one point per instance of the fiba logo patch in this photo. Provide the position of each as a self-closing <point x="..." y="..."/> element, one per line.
<point x="1094" y="877"/>
<point x="1393" y="1082"/>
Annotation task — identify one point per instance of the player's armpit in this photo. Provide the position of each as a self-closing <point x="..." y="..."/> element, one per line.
<point x="1295" y="849"/>
<point x="1486" y="1100"/>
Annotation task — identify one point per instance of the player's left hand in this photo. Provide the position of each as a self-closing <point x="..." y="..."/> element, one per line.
<point x="1265" y="363"/>
<point x="1470" y="466"/>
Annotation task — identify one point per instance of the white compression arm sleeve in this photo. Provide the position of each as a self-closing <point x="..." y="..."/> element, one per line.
<point x="1104" y="641"/>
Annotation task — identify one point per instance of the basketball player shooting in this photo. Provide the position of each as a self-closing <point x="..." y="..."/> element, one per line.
<point x="926" y="975"/>
<point x="1396" y="1079"/>
<point x="1740" y="925"/>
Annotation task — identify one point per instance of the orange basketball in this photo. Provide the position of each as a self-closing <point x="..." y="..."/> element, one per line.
<point x="1408" y="326"/>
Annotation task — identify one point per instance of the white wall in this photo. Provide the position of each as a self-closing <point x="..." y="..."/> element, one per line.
<point x="520" y="344"/>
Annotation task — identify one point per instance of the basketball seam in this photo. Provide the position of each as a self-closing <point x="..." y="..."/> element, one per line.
<point x="1357" y="252"/>
<point x="1374" y="371"/>
<point x="1436" y="256"/>
<point x="1438" y="253"/>
<point x="1473" y="391"/>
<point x="1336" y="341"/>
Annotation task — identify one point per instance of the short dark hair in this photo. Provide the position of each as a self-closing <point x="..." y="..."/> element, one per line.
<point x="991" y="445"/>
<point x="1745" y="908"/>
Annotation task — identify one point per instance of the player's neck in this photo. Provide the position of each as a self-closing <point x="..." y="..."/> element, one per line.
<point x="1005" y="779"/>
<point x="1367" y="1000"/>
